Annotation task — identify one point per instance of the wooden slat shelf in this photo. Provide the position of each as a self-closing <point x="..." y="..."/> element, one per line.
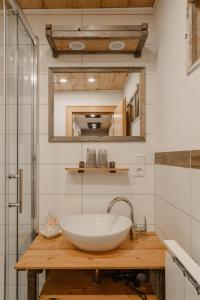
<point x="78" y="285"/>
<point x="98" y="170"/>
<point x="97" y="39"/>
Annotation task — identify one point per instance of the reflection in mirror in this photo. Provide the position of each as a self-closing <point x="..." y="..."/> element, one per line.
<point x="96" y="104"/>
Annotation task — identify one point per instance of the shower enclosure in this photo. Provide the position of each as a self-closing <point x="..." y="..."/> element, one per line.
<point x="18" y="145"/>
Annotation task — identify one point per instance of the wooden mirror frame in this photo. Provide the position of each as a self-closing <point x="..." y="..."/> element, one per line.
<point x="141" y="138"/>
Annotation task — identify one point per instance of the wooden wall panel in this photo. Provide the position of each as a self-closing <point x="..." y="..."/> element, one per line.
<point x="186" y="159"/>
<point x="176" y="158"/>
<point x="195" y="159"/>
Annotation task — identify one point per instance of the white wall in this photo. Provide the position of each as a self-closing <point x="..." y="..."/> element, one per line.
<point x="177" y="189"/>
<point x="67" y="194"/>
<point x="76" y="98"/>
<point x="178" y="93"/>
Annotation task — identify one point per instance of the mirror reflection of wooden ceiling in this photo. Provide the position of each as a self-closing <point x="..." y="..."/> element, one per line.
<point x="57" y="4"/>
<point x="89" y="81"/>
<point x="82" y="122"/>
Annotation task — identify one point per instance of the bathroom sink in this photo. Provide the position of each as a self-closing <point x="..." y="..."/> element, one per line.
<point x="96" y="232"/>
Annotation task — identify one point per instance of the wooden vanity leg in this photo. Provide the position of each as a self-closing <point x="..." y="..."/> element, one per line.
<point x="32" y="285"/>
<point x="32" y="290"/>
<point x="157" y="279"/>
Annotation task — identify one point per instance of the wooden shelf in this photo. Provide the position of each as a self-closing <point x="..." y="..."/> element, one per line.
<point x="98" y="170"/>
<point x="78" y="285"/>
<point x="97" y="39"/>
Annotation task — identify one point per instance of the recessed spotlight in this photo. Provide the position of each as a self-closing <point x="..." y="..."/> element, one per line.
<point x="91" y="79"/>
<point x="92" y="116"/>
<point x="63" y="80"/>
<point x="116" y="45"/>
<point x="96" y="125"/>
<point x="76" y="45"/>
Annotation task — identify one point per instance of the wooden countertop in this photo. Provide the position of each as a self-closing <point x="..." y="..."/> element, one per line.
<point x="146" y="252"/>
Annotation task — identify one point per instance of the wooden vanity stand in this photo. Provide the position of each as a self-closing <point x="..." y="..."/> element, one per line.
<point x="70" y="270"/>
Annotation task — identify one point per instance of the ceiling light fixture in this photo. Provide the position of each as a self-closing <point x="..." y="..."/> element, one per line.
<point x="116" y="45"/>
<point x="63" y="80"/>
<point x="92" y="116"/>
<point x="91" y="79"/>
<point x="96" y="125"/>
<point x="76" y="45"/>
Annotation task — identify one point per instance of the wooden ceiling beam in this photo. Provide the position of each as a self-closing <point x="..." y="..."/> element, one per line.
<point x="85" y="4"/>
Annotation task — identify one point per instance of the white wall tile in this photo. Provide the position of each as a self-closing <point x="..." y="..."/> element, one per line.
<point x="11" y="269"/>
<point x="151" y="119"/>
<point x="2" y="149"/>
<point x="22" y="292"/>
<point x="120" y="184"/>
<point x="160" y="234"/>
<point x="43" y="89"/>
<point x="174" y="280"/>
<point x="173" y="223"/>
<point x="2" y="120"/>
<point x="55" y="180"/>
<point x="148" y="59"/>
<point x="59" y="153"/>
<point x="195" y="193"/>
<point x="151" y="88"/>
<point x="1" y="291"/>
<point x="43" y="119"/>
<point x="173" y="185"/>
<point x="195" y="240"/>
<point x="143" y="206"/>
<point x="46" y="60"/>
<point x="2" y="208"/>
<point x="60" y="205"/>
<point x="2" y="228"/>
<point x="190" y="291"/>
<point x="1" y="271"/>
<point x="24" y="238"/>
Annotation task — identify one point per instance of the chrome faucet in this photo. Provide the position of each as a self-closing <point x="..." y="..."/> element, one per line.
<point x="128" y="202"/>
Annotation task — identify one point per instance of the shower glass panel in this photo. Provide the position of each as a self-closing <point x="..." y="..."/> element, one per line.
<point x="20" y="145"/>
<point x="2" y="152"/>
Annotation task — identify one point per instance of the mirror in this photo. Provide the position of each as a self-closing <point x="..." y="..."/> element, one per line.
<point x="97" y="104"/>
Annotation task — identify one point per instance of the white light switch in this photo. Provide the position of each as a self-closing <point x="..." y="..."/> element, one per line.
<point x="139" y="165"/>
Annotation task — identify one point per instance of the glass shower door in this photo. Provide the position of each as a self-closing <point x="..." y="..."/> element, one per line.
<point x="19" y="150"/>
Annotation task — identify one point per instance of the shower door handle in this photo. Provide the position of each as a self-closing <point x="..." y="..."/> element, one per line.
<point x="18" y="176"/>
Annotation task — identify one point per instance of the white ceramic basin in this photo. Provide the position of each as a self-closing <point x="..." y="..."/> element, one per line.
<point x="96" y="232"/>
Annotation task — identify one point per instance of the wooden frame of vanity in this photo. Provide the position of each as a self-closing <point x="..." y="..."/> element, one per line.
<point x="146" y="252"/>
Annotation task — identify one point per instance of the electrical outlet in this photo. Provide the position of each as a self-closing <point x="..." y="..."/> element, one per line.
<point x="139" y="166"/>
